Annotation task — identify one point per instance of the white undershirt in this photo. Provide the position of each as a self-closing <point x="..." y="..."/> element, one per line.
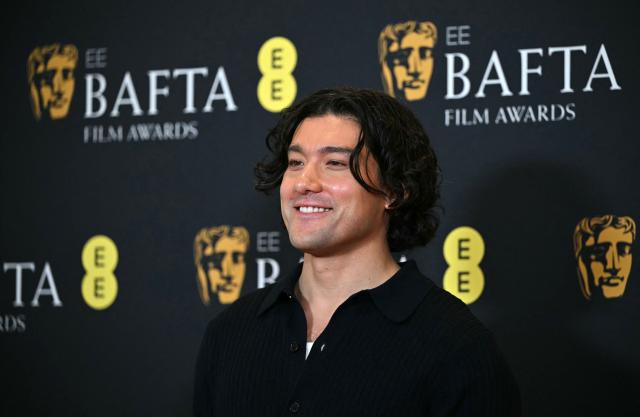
<point x="309" y="344"/>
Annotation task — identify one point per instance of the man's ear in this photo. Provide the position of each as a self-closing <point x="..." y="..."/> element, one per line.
<point x="391" y="199"/>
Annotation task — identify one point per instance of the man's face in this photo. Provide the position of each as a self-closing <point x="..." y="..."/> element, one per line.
<point x="224" y="263"/>
<point x="326" y="211"/>
<point x="609" y="261"/>
<point x="55" y="84"/>
<point x="411" y="62"/>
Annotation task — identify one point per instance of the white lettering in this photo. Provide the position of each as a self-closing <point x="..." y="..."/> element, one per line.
<point x="92" y="95"/>
<point x="602" y="55"/>
<point x="190" y="74"/>
<point x="452" y="75"/>
<point x="18" y="266"/>
<point x="220" y="81"/>
<point x="494" y="62"/>
<point x="47" y="277"/>
<point x="525" y="70"/>
<point x="154" y="91"/>
<point x="263" y="279"/>
<point x="566" y="51"/>
<point x="131" y="98"/>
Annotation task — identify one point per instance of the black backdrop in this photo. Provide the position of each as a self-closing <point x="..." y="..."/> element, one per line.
<point x="522" y="185"/>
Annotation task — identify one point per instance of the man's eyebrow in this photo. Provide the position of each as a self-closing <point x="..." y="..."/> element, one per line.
<point x="336" y="149"/>
<point x="324" y="149"/>
<point x="295" y="148"/>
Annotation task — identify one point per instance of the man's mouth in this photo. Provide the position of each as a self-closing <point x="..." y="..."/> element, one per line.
<point x="312" y="209"/>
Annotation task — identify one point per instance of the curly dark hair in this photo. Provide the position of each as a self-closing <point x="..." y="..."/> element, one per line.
<point x="393" y="136"/>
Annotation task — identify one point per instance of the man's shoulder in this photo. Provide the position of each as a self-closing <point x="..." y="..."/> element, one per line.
<point x="447" y="319"/>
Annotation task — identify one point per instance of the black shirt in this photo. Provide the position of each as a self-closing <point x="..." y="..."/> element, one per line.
<point x="405" y="348"/>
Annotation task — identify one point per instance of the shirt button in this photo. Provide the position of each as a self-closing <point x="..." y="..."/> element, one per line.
<point x="294" y="407"/>
<point x="294" y="347"/>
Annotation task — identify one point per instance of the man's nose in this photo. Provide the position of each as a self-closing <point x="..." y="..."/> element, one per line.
<point x="309" y="180"/>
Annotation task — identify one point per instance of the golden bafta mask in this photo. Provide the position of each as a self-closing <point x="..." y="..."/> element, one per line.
<point x="219" y="258"/>
<point x="405" y="51"/>
<point x="51" y="81"/>
<point x="602" y="247"/>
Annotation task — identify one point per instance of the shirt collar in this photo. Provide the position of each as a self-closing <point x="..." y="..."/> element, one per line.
<point x="396" y="298"/>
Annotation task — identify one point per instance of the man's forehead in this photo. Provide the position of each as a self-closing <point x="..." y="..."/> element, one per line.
<point x="327" y="133"/>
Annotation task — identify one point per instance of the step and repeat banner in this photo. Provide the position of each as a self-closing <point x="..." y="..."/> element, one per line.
<point x="129" y="219"/>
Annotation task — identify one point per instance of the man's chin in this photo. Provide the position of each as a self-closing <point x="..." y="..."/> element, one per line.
<point x="315" y="247"/>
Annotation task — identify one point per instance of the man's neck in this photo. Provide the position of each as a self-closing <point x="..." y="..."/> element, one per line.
<point x="326" y="282"/>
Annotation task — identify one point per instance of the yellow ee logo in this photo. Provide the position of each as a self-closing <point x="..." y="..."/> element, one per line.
<point x="277" y="88"/>
<point x="99" y="259"/>
<point x="463" y="251"/>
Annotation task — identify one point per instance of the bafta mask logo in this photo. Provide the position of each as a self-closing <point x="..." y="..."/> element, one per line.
<point x="51" y="81"/>
<point x="405" y="51"/>
<point x="603" y="250"/>
<point x="219" y="257"/>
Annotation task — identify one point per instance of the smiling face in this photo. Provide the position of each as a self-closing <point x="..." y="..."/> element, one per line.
<point x="326" y="211"/>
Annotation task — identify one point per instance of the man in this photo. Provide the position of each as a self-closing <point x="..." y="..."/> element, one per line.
<point x="603" y="250"/>
<point x="358" y="179"/>
<point x="405" y="51"/>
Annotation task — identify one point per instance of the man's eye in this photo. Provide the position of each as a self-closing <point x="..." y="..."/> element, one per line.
<point x="294" y="163"/>
<point x="335" y="163"/>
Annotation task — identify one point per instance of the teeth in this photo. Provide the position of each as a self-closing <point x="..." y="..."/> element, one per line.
<point x="308" y="209"/>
